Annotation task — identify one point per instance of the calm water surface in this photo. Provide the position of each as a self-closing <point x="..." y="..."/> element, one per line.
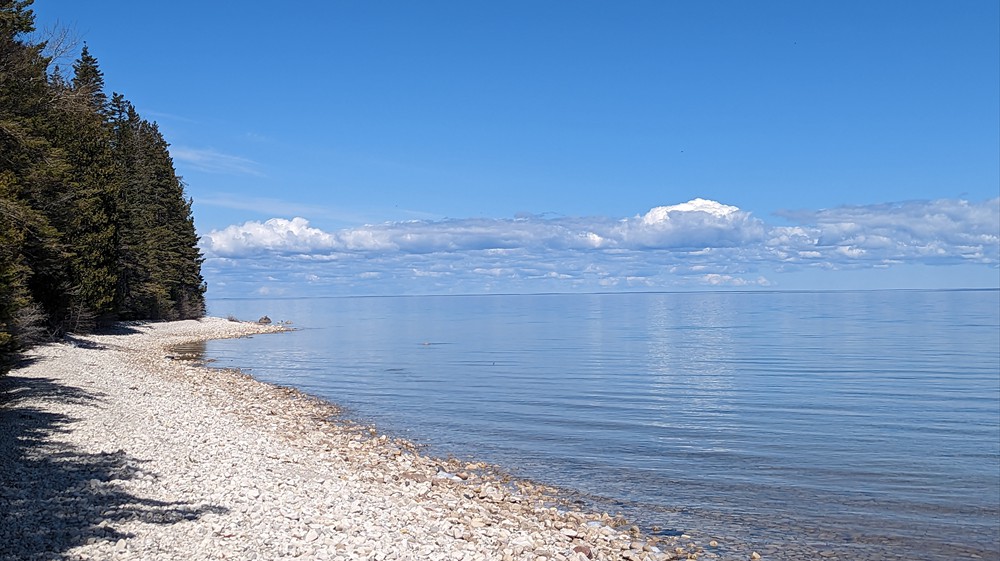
<point x="861" y="423"/>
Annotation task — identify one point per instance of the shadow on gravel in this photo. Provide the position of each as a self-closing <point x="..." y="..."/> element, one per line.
<point x="56" y="497"/>
<point x="122" y="328"/>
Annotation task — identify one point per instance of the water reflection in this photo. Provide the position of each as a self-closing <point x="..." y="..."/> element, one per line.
<point x="691" y="344"/>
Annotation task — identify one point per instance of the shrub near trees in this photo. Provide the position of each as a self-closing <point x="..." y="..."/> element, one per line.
<point x="94" y="223"/>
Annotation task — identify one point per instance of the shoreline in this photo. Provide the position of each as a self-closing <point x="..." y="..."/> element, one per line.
<point x="110" y="448"/>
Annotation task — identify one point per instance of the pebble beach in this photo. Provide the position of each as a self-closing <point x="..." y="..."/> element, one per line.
<point x="113" y="448"/>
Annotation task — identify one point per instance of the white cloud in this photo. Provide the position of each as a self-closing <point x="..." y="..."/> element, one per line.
<point x="695" y="224"/>
<point x="940" y="231"/>
<point x="662" y="213"/>
<point x="698" y="243"/>
<point x="276" y="235"/>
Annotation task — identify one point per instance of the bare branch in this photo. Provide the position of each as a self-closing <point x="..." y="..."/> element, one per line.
<point x="61" y="43"/>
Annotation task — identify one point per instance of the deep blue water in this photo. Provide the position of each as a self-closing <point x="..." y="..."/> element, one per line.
<point x="864" y="423"/>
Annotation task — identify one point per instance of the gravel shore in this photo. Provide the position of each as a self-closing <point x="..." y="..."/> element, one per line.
<point x="110" y="448"/>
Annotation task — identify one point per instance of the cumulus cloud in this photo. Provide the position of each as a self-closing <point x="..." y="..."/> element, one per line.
<point x="696" y="243"/>
<point x="276" y="235"/>
<point x="694" y="225"/>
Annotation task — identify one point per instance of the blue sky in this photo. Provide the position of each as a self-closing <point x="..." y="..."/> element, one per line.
<point x="453" y="147"/>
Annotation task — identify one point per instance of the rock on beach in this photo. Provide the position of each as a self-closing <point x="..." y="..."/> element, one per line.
<point x="110" y="449"/>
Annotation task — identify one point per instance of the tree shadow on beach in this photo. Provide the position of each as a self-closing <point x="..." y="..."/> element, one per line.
<point x="122" y="328"/>
<point x="54" y="496"/>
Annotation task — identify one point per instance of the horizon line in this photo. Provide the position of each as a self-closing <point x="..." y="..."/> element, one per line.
<point x="616" y="292"/>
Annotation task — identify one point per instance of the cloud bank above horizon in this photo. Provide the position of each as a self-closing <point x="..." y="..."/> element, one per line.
<point x="696" y="244"/>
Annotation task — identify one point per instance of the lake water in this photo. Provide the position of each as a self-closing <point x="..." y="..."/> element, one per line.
<point x="798" y="424"/>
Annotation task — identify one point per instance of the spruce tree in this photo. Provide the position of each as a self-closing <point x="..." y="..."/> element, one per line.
<point x="171" y="234"/>
<point x="94" y="223"/>
<point x="91" y="210"/>
<point x="88" y="81"/>
<point x="24" y="158"/>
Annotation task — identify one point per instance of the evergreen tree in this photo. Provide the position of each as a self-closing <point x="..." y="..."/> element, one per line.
<point x="90" y="211"/>
<point x="132" y="293"/>
<point x="159" y="262"/>
<point x="24" y="233"/>
<point x="88" y="81"/>
<point x="170" y="234"/>
<point x="94" y="223"/>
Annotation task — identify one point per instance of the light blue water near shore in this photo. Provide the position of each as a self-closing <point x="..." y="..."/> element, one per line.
<point x="861" y="423"/>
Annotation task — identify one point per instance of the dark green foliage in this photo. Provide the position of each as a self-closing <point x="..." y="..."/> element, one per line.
<point x="88" y="81"/>
<point x="159" y="264"/>
<point x="94" y="223"/>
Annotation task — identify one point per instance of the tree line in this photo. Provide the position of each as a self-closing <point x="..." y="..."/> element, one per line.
<point x="94" y="223"/>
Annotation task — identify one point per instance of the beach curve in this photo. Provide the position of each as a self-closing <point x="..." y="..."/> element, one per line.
<point x="112" y="449"/>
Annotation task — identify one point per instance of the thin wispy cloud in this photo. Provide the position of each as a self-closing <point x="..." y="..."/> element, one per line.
<point x="212" y="161"/>
<point x="697" y="243"/>
<point x="269" y="206"/>
<point x="259" y="205"/>
<point x="255" y="137"/>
